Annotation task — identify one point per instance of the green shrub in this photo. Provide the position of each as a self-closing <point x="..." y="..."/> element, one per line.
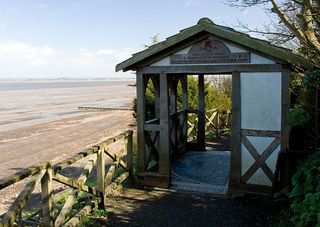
<point x="305" y="195"/>
<point x="298" y="116"/>
<point x="150" y="100"/>
<point x="216" y="96"/>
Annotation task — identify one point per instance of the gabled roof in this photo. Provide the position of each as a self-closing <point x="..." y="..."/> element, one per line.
<point x="206" y="26"/>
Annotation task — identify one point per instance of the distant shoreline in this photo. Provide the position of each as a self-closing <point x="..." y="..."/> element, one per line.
<point x="25" y="80"/>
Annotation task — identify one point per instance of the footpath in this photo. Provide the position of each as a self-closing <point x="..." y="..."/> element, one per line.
<point x="165" y="208"/>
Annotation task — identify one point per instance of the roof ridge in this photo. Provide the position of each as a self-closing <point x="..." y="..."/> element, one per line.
<point x="227" y="33"/>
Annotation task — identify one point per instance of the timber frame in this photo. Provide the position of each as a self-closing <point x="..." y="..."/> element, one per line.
<point x="164" y="138"/>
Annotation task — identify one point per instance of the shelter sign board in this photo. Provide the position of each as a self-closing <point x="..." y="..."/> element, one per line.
<point x="210" y="51"/>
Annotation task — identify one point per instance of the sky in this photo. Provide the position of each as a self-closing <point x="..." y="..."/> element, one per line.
<point x="87" y="38"/>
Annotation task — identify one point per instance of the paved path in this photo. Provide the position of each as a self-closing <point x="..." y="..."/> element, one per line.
<point x="159" y="208"/>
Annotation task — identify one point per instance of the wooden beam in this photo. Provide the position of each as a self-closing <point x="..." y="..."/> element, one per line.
<point x="75" y="193"/>
<point x="74" y="221"/>
<point x="141" y="117"/>
<point x="10" y="216"/>
<point x="152" y="127"/>
<point x="109" y="141"/>
<point x="153" y="179"/>
<point x="5" y="182"/>
<point x="67" y="207"/>
<point x="252" y="188"/>
<point x="47" y="197"/>
<point x="259" y="159"/>
<point x="173" y="49"/>
<point x="201" y="113"/>
<point x="184" y="85"/>
<point x="110" y="174"/>
<point x="75" y="158"/>
<point x="116" y="182"/>
<point x="172" y="84"/>
<point x="285" y="105"/>
<point x="213" y="69"/>
<point x="130" y="155"/>
<point x="317" y="101"/>
<point x="75" y="184"/>
<point x="115" y="158"/>
<point x="260" y="133"/>
<point x="235" y="160"/>
<point x="164" y="150"/>
<point x="101" y="168"/>
<point x="88" y="168"/>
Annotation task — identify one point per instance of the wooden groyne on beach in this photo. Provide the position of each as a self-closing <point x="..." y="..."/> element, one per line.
<point x="90" y="108"/>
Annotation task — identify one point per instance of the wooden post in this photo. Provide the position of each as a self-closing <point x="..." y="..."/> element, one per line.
<point x="129" y="154"/>
<point x="184" y="84"/>
<point x="285" y="104"/>
<point x="173" y="94"/>
<point x="164" y="150"/>
<point x="235" y="162"/>
<point x="46" y="189"/>
<point x="217" y="122"/>
<point x="201" y="113"/>
<point x="317" y="117"/>
<point x="141" y="113"/>
<point x="172" y="84"/>
<point x="101" y="176"/>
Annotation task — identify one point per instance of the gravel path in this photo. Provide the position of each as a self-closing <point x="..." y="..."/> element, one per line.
<point x="159" y="208"/>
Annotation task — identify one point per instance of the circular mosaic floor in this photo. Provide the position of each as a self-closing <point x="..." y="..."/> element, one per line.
<point x="206" y="171"/>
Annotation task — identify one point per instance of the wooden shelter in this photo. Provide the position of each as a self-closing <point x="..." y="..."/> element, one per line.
<point x="260" y="101"/>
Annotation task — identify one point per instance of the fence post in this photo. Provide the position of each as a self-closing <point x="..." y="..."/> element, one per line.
<point x="46" y="189"/>
<point x="130" y="153"/>
<point x="101" y="176"/>
<point x="217" y="122"/>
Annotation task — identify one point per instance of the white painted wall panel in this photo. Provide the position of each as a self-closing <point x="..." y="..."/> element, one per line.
<point x="260" y="110"/>
<point x="272" y="160"/>
<point x="260" y="143"/>
<point x="260" y="178"/>
<point x="247" y="159"/>
<point x="261" y="101"/>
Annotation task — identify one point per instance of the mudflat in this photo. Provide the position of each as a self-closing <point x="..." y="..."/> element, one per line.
<point x="40" y="120"/>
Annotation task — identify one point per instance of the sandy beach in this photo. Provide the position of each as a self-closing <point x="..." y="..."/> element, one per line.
<point x="40" y="121"/>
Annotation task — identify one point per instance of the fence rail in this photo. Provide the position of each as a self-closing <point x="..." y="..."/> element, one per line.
<point x="217" y="121"/>
<point x="45" y="174"/>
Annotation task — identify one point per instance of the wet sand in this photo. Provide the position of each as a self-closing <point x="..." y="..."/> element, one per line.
<point x="44" y="124"/>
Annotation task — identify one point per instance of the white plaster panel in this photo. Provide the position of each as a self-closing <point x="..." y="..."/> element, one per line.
<point x="260" y="143"/>
<point x="163" y="62"/>
<point x="255" y="59"/>
<point x="261" y="101"/>
<point x="272" y="159"/>
<point x="246" y="159"/>
<point x="260" y="178"/>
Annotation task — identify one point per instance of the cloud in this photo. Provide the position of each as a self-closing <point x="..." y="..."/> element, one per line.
<point x="17" y="53"/>
<point x="18" y="59"/>
<point x="188" y="3"/>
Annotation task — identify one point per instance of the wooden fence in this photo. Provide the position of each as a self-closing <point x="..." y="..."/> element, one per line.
<point x="45" y="174"/>
<point x="217" y="121"/>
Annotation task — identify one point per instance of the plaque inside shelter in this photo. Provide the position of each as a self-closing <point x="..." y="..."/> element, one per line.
<point x="210" y="51"/>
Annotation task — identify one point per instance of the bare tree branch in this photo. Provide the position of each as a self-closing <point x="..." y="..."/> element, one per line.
<point x="297" y="23"/>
